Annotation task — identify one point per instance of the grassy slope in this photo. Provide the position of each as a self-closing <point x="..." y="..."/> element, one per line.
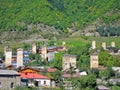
<point x="78" y="41"/>
<point x="75" y="42"/>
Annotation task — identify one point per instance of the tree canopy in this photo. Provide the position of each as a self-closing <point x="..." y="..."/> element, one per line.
<point x="17" y="14"/>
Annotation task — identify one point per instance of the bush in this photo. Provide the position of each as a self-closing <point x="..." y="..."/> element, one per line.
<point x="84" y="37"/>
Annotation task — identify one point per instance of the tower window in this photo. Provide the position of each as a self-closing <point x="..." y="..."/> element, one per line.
<point x="12" y="85"/>
<point x="0" y="84"/>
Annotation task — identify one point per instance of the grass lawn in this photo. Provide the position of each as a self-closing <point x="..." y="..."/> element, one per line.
<point x="74" y="42"/>
<point x="79" y="41"/>
<point x="108" y="40"/>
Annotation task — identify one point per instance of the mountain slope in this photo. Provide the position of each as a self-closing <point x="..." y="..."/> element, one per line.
<point x="59" y="13"/>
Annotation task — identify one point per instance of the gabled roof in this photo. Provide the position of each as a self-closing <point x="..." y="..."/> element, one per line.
<point x="69" y="75"/>
<point x="69" y="55"/>
<point x="8" y="72"/>
<point x="51" y="70"/>
<point x="33" y="76"/>
<point x="30" y="70"/>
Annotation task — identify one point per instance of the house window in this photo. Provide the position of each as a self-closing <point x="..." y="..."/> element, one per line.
<point x="12" y="85"/>
<point x="65" y="63"/>
<point x="44" y="82"/>
<point x="73" y="64"/>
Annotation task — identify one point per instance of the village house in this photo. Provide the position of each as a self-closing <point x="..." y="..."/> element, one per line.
<point x="20" y="57"/>
<point x="9" y="79"/>
<point x="47" y="53"/>
<point x="32" y="77"/>
<point x="116" y="69"/>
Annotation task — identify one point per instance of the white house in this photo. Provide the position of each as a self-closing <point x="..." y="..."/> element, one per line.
<point x="37" y="79"/>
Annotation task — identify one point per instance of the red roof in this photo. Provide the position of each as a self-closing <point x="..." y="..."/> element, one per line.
<point x="51" y="70"/>
<point x="33" y="76"/>
<point x="69" y="75"/>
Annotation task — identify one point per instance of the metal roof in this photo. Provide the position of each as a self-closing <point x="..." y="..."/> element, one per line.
<point x="26" y="52"/>
<point x="26" y="58"/>
<point x="101" y="87"/>
<point x="69" y="55"/>
<point x="8" y="72"/>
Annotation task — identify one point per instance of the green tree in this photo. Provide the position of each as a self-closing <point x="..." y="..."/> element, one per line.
<point x="37" y="60"/>
<point x="95" y="72"/>
<point x="106" y="74"/>
<point x="57" y="62"/>
<point x="85" y="82"/>
<point x="106" y="59"/>
<point x="58" y="78"/>
<point x="26" y="46"/>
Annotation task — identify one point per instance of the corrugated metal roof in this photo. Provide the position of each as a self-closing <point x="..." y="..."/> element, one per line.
<point x="26" y="58"/>
<point x="8" y="72"/>
<point x="51" y="47"/>
<point x="26" y="52"/>
<point x="101" y="87"/>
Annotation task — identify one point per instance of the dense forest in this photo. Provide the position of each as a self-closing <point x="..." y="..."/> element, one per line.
<point x="17" y="14"/>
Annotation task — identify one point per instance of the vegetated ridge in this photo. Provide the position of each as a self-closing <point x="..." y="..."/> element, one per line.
<point x="40" y="16"/>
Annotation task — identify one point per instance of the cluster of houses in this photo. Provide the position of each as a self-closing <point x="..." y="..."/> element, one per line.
<point x="94" y="63"/>
<point x="110" y="49"/>
<point x="21" y="57"/>
<point x="34" y="76"/>
<point x="9" y="79"/>
<point x="29" y="76"/>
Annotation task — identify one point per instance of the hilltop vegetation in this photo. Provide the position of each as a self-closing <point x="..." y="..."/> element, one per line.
<point x="18" y="14"/>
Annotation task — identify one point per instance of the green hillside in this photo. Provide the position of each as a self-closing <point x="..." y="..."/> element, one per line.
<point x="17" y="14"/>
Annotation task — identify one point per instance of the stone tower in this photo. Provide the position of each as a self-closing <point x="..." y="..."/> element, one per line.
<point x="8" y="56"/>
<point x="44" y="53"/>
<point x="34" y="48"/>
<point x="104" y="45"/>
<point x="93" y="44"/>
<point x="68" y="61"/>
<point x="112" y="44"/>
<point x="94" y="63"/>
<point x="5" y="47"/>
<point x="19" y="57"/>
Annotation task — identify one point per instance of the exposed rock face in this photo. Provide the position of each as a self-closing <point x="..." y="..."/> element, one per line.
<point x="32" y="32"/>
<point x="89" y="34"/>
